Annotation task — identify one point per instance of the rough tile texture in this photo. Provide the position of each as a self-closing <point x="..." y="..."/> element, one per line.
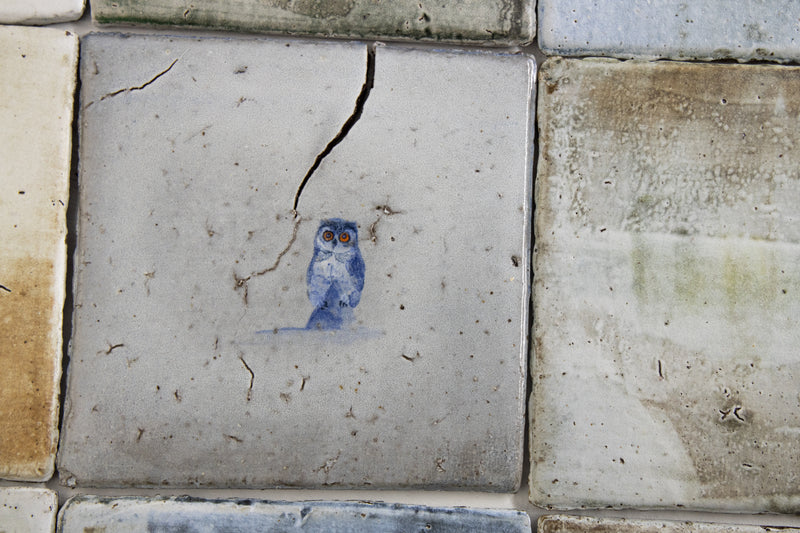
<point x="579" y="524"/>
<point x="667" y="287"/>
<point x="676" y="29"/>
<point x="36" y="101"/>
<point x="500" y="22"/>
<point x="27" y="509"/>
<point x="87" y="513"/>
<point x="190" y="361"/>
<point x="40" y="11"/>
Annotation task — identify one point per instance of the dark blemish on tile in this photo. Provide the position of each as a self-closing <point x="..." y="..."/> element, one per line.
<point x="177" y="396"/>
<point x="111" y="348"/>
<point x="515" y="260"/>
<point x="234" y="438"/>
<point x="139" y="434"/>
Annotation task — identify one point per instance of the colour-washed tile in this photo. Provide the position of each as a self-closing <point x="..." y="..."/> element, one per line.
<point x="90" y="513"/>
<point x="676" y="29"/>
<point x="40" y="11"/>
<point x="667" y="287"/>
<point x="371" y="332"/>
<point x="501" y="23"/>
<point x="578" y="524"/>
<point x="36" y="100"/>
<point x="28" y="510"/>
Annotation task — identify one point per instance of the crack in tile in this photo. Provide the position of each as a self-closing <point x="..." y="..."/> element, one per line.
<point x="136" y="87"/>
<point x="346" y="127"/>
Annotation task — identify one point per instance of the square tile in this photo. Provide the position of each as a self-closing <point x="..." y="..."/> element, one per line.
<point x="666" y="287"/>
<point x="40" y="11"/>
<point x="39" y="70"/>
<point x="755" y="30"/>
<point x="28" y="509"/>
<point x="507" y="22"/>
<point x="576" y="524"/>
<point x="88" y="513"/>
<point x="207" y="352"/>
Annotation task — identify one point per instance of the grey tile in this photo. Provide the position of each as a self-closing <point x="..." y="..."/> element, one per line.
<point x="576" y="524"/>
<point x="185" y="514"/>
<point x="755" y="29"/>
<point x="666" y="287"/>
<point x="28" y="509"/>
<point x="40" y="11"/>
<point x="504" y="22"/>
<point x="192" y="363"/>
<point x="39" y="69"/>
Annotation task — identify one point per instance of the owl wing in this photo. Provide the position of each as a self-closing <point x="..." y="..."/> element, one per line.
<point x="355" y="268"/>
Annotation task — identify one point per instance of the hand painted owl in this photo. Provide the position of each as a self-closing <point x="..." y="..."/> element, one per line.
<point x="335" y="276"/>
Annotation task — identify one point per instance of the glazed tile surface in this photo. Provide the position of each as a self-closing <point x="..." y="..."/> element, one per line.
<point x="216" y="340"/>
<point x="89" y="513"/>
<point x="666" y="287"/>
<point x="28" y="509"/>
<point x="578" y="524"/>
<point x="40" y="11"/>
<point x="36" y="100"/>
<point x="503" y="22"/>
<point x="755" y="29"/>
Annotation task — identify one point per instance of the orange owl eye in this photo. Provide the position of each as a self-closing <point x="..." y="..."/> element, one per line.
<point x="344" y="237"/>
<point x="328" y="235"/>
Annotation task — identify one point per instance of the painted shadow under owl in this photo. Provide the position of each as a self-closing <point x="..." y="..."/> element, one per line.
<point x="335" y="275"/>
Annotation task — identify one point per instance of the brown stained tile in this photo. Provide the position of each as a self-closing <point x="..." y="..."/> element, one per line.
<point x="36" y="92"/>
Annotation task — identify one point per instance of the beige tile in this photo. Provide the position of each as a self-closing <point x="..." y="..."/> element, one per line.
<point x="36" y="96"/>
<point x="667" y="287"/>
<point x="578" y="524"/>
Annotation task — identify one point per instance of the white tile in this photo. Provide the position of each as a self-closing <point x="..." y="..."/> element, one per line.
<point x="190" y="257"/>
<point x="40" y="11"/>
<point x="755" y="29"/>
<point x="36" y="95"/>
<point x="667" y="287"/>
<point x="28" y="510"/>
<point x="88" y="513"/>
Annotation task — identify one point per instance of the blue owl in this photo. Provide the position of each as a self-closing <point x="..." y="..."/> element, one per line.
<point x="335" y="276"/>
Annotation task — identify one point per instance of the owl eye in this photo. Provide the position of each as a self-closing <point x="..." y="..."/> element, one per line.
<point x="328" y="235"/>
<point x="344" y="237"/>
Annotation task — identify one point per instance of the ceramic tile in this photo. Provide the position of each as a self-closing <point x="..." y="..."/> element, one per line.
<point x="666" y="287"/>
<point x="502" y="22"/>
<point x="576" y="524"/>
<point x="756" y="29"/>
<point x="40" y="11"/>
<point x="185" y="514"/>
<point x="215" y="341"/>
<point x="27" y="509"/>
<point x="39" y="68"/>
